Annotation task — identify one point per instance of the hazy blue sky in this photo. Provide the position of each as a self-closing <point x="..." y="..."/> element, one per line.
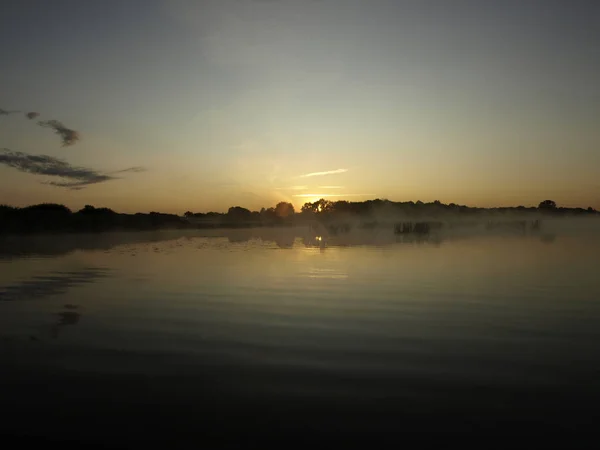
<point x="235" y="101"/>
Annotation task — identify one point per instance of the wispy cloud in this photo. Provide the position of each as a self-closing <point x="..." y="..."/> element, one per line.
<point x="135" y="169"/>
<point x="331" y="195"/>
<point x="320" y="174"/>
<point x="67" y="136"/>
<point x="77" y="185"/>
<point x="331" y="187"/>
<point x="74" y="177"/>
<point x="4" y="112"/>
<point x="292" y="188"/>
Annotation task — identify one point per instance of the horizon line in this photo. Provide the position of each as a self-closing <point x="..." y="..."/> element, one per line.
<point x="417" y="202"/>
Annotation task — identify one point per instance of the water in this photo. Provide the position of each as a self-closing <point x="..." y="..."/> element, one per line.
<point x="125" y="337"/>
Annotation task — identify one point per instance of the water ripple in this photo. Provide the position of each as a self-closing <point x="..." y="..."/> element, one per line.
<point x="56" y="283"/>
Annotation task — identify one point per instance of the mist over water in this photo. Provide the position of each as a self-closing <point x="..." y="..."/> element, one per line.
<point x="267" y="331"/>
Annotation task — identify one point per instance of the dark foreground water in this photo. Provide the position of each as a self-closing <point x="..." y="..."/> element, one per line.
<point x="134" y="339"/>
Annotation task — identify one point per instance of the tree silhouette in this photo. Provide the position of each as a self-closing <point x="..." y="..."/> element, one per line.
<point x="267" y="215"/>
<point x="320" y="206"/>
<point x="547" y="205"/>
<point x="284" y="209"/>
<point x="238" y="213"/>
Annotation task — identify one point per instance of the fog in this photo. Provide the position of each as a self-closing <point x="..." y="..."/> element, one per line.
<point x="378" y="232"/>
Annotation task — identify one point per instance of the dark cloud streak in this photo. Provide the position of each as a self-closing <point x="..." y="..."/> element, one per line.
<point x="47" y="165"/>
<point x="78" y="185"/>
<point x="67" y="136"/>
<point x="75" y="177"/>
<point x="4" y="112"/>
<point x="136" y="169"/>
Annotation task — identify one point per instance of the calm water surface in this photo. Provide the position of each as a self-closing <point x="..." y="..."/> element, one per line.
<point x="136" y="336"/>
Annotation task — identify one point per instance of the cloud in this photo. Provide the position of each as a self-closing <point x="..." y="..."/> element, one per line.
<point x="76" y="177"/>
<point x="292" y="188"/>
<point x="319" y="174"/>
<point x="78" y="185"/>
<point x="4" y="112"/>
<point x="331" y="187"/>
<point x="68" y="136"/>
<point x="135" y="169"/>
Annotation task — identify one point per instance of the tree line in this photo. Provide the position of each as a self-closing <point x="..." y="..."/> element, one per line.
<point x="327" y="208"/>
<point x="48" y="217"/>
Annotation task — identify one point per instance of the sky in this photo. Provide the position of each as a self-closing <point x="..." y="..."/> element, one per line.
<point x="205" y="104"/>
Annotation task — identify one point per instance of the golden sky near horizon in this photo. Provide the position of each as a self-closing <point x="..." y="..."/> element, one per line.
<point x="250" y="102"/>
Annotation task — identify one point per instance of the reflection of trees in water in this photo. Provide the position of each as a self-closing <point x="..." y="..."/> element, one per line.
<point x="285" y="241"/>
<point x="419" y="239"/>
<point x="548" y="238"/>
<point x="367" y="239"/>
<point x="314" y="241"/>
<point x="65" y="318"/>
<point x="12" y="247"/>
<point x="378" y="238"/>
<point x="281" y="238"/>
<point x="240" y="236"/>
